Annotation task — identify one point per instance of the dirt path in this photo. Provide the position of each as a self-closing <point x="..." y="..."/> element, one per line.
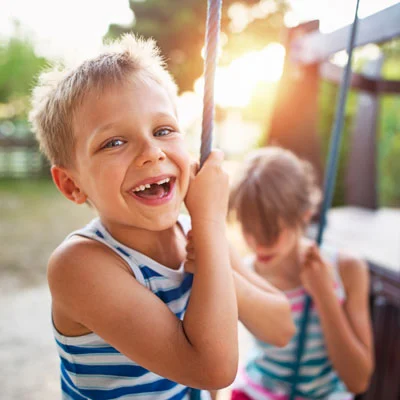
<point x="28" y="357"/>
<point x="29" y="363"/>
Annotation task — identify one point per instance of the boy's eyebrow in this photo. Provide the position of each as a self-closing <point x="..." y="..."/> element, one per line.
<point x="109" y="125"/>
<point x="102" y="128"/>
<point x="161" y="114"/>
<point x="99" y="130"/>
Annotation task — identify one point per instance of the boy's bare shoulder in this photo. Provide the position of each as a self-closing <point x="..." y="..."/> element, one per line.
<point x="79" y="251"/>
<point x="77" y="259"/>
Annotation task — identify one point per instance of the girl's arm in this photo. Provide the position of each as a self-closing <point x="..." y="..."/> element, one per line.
<point x="263" y="309"/>
<point x="347" y="330"/>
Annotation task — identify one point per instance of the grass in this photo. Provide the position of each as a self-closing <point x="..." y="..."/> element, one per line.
<point x="35" y="218"/>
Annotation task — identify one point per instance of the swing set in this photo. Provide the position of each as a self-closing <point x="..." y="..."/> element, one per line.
<point x="311" y="50"/>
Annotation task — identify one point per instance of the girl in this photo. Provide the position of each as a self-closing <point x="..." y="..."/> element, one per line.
<point x="274" y="198"/>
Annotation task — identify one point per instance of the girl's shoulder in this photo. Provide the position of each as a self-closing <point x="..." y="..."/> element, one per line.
<point x="350" y="269"/>
<point x="353" y="271"/>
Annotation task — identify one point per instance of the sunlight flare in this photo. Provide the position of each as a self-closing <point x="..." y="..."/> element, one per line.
<point x="235" y="84"/>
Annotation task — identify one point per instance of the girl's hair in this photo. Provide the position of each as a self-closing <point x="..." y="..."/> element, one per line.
<point x="61" y="90"/>
<point x="275" y="189"/>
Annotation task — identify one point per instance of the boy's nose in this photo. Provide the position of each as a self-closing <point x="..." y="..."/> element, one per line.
<point x="149" y="153"/>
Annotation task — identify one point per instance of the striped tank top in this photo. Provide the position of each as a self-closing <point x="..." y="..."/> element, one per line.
<point x="268" y="370"/>
<point x="91" y="368"/>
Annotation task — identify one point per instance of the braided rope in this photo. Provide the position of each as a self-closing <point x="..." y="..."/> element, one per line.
<point x="330" y="179"/>
<point x="210" y="66"/>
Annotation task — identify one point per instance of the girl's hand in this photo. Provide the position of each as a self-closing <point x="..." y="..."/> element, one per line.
<point x="316" y="274"/>
<point x="207" y="196"/>
<point x="190" y="254"/>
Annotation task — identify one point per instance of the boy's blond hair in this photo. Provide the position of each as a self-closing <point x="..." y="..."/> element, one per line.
<point x="62" y="90"/>
<point x="275" y="189"/>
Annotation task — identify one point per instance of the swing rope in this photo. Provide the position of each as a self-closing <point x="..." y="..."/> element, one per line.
<point x="210" y="66"/>
<point x="213" y="25"/>
<point x="330" y="179"/>
<point x="210" y="63"/>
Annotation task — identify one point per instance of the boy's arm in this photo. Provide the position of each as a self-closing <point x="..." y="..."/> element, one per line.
<point x="263" y="309"/>
<point x="211" y="316"/>
<point x="347" y="330"/>
<point x="93" y="287"/>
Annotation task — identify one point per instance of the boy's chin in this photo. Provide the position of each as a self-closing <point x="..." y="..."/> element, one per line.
<point x="164" y="222"/>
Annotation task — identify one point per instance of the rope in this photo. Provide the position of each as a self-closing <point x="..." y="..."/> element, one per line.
<point x="210" y="65"/>
<point x="330" y="179"/>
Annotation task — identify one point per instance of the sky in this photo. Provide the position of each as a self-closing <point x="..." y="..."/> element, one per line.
<point x="68" y="28"/>
<point x="334" y="14"/>
<point x="64" y="28"/>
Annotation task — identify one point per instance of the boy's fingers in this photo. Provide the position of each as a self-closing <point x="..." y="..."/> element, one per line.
<point x="216" y="156"/>
<point x="189" y="248"/>
<point x="190" y="257"/>
<point x="194" y="169"/>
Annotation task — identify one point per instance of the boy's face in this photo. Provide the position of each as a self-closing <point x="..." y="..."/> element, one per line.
<point x="131" y="161"/>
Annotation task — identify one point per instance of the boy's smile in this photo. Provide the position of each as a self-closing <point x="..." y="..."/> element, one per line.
<point x="154" y="191"/>
<point x="131" y="160"/>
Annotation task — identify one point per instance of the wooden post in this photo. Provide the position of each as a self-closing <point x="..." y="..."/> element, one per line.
<point x="295" y="115"/>
<point x="361" y="176"/>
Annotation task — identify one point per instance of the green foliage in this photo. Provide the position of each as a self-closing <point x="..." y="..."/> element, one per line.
<point x="389" y="152"/>
<point x="178" y="26"/>
<point x="19" y="65"/>
<point x="328" y="98"/>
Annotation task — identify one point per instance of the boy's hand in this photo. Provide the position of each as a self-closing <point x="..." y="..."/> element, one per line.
<point x="207" y="196"/>
<point x="190" y="254"/>
<point x="316" y="274"/>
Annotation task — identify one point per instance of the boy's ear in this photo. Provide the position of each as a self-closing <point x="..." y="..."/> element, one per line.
<point x="67" y="185"/>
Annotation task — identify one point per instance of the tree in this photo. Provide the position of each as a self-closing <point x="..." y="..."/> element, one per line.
<point x="178" y="26"/>
<point x="19" y="65"/>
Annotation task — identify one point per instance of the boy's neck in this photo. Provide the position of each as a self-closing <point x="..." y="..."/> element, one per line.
<point x="167" y="247"/>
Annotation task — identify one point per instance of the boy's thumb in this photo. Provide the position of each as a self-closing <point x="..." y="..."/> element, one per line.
<point x="216" y="155"/>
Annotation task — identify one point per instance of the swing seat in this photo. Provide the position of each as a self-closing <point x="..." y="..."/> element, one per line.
<point x="374" y="235"/>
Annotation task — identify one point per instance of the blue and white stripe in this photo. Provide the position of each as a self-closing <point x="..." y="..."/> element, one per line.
<point x="91" y="368"/>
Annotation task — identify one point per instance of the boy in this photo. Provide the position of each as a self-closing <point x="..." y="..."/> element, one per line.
<point x="128" y="320"/>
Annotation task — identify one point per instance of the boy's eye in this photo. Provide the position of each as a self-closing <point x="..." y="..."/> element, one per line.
<point x="113" y="143"/>
<point x="163" y="132"/>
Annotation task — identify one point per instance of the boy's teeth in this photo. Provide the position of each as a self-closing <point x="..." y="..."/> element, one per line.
<point x="147" y="185"/>
<point x="163" y="181"/>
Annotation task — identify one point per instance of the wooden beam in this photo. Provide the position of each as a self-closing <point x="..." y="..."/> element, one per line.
<point x="294" y="119"/>
<point x="388" y="87"/>
<point x="377" y="28"/>
<point x="334" y="73"/>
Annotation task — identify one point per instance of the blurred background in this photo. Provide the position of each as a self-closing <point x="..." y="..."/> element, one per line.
<point x="255" y="82"/>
